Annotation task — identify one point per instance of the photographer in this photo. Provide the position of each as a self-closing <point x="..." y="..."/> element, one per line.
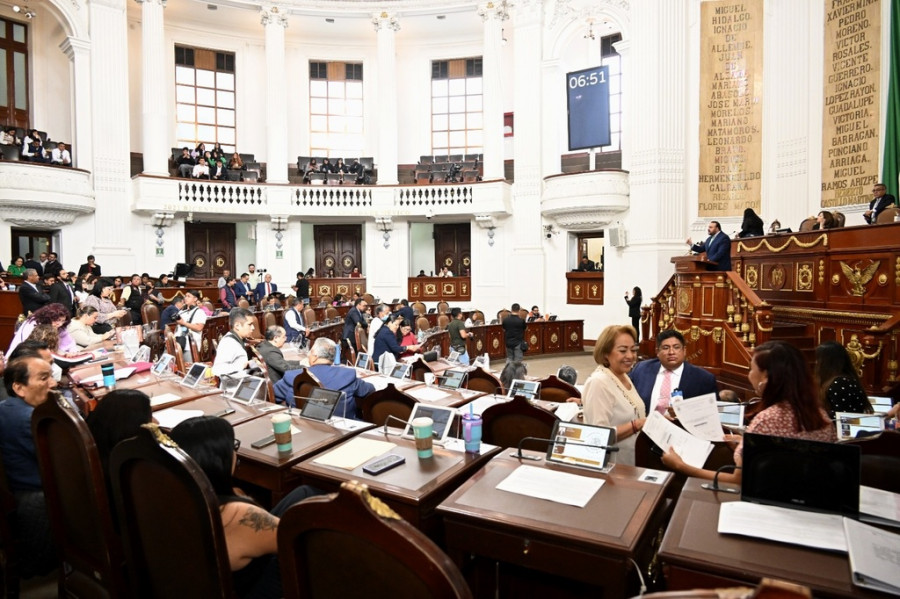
<point x="190" y="320"/>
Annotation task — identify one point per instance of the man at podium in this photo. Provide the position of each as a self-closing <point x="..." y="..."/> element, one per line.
<point x="717" y="247"/>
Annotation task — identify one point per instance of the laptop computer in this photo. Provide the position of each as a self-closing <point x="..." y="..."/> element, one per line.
<point x="442" y="417"/>
<point x="582" y="445"/>
<point x="552" y="317"/>
<point x="320" y="404"/>
<point x="194" y="375"/>
<point x="451" y="379"/>
<point x="807" y="475"/>
<point x="432" y="310"/>
<point x="527" y="389"/>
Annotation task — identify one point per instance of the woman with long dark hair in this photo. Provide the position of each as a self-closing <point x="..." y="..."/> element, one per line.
<point x="634" y="310"/>
<point x="839" y="386"/>
<point x="118" y="417"/>
<point x="780" y="376"/>
<point x="752" y="225"/>
<point x="55" y="315"/>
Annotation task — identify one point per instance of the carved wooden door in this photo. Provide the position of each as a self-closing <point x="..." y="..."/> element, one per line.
<point x="210" y="248"/>
<point x="338" y="248"/>
<point x="452" y="248"/>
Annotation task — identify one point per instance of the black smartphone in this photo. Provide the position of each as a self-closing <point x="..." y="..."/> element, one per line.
<point x="384" y="464"/>
<point x="263" y="442"/>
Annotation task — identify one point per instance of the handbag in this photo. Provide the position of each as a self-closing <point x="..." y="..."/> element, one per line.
<point x="524" y="346"/>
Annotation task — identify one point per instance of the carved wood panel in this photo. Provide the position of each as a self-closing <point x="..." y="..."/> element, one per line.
<point x="338" y="248"/>
<point x="210" y="248"/>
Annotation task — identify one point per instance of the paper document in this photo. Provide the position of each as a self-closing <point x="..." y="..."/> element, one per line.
<point x="561" y="487"/>
<point x="347" y="424"/>
<point x="819" y="531"/>
<point x="883" y="505"/>
<point x="567" y="411"/>
<point x="121" y="373"/>
<point x="158" y="400"/>
<point x="874" y="557"/>
<point x="354" y="453"/>
<point x="692" y="450"/>
<point x="428" y="394"/>
<point x="172" y="417"/>
<point x="481" y="404"/>
<point x="700" y="416"/>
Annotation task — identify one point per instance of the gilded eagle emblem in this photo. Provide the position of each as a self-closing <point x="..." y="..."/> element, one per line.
<point x="859" y="278"/>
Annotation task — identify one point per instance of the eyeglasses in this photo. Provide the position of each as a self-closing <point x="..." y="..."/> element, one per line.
<point x="237" y="444"/>
<point x="668" y="348"/>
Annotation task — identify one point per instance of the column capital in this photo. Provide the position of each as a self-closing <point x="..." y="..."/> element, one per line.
<point x="385" y="21"/>
<point x="623" y="47"/>
<point x="498" y="10"/>
<point x="272" y="15"/>
<point x="160" y="2"/>
<point x="73" y="45"/>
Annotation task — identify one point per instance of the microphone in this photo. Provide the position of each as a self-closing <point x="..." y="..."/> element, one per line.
<point x="559" y="441"/>
<point x="392" y="417"/>
<point x="714" y="486"/>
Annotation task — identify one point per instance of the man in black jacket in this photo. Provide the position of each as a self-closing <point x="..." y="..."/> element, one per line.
<point x="53" y="266"/>
<point x="514" y="331"/>
<point x="881" y="200"/>
<point x="31" y="293"/>
<point x="61" y="292"/>
<point x="355" y="316"/>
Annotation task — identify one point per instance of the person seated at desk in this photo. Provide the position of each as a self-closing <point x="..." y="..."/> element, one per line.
<point x="780" y="376"/>
<point x="444" y="273"/>
<point x="405" y="336"/>
<point x="514" y="369"/>
<point x="881" y="200"/>
<point x="80" y="328"/>
<point x="421" y="274"/>
<point x="381" y="314"/>
<point x="170" y="312"/>
<point x="231" y="354"/>
<point x="266" y="288"/>
<point x="839" y="386"/>
<point x="355" y="274"/>
<point x="100" y="298"/>
<point x="270" y="351"/>
<point x="656" y="379"/>
<point x="294" y="323"/>
<point x="386" y="341"/>
<point x="586" y="265"/>
<point x="752" y="225"/>
<point x="717" y="247"/>
<point x="535" y="315"/>
<point x="824" y="220"/>
<point x="610" y="398"/>
<point x="53" y="315"/>
<point x="251" y="533"/>
<point x="28" y="382"/>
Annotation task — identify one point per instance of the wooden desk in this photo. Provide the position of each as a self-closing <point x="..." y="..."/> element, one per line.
<point x="414" y="489"/>
<point x="271" y="470"/>
<point x="214" y="405"/>
<point x="439" y="289"/>
<point x="543" y="337"/>
<point x="549" y="548"/>
<point x="451" y="398"/>
<point x="695" y="555"/>
<point x="585" y="288"/>
<point x="346" y="286"/>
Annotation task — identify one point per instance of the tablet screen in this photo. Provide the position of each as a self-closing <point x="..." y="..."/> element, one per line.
<point x="527" y="389"/>
<point x="194" y="375"/>
<point x="581" y="445"/>
<point x="400" y="371"/>
<point x="320" y="404"/>
<point x="248" y="389"/>
<point x="362" y="361"/>
<point x="452" y="379"/>
<point x="442" y="417"/>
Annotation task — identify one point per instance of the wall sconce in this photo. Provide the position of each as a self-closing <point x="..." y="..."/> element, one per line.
<point x="161" y="220"/>
<point x="279" y="225"/>
<point x="385" y="225"/>
<point x="486" y="221"/>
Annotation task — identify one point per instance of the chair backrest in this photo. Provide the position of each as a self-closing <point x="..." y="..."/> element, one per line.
<point x="419" y="369"/>
<point x="77" y="500"/>
<point x="253" y="354"/>
<point x="349" y="352"/>
<point x="331" y="312"/>
<point x="327" y="299"/>
<point x="477" y="316"/>
<point x="173" y="349"/>
<point x="443" y="307"/>
<point x="523" y="313"/>
<point x="419" y="308"/>
<point x="422" y="324"/>
<point x="304" y="383"/>
<point x="555" y="389"/>
<point x="323" y="538"/>
<point x="887" y="215"/>
<point x="840" y="219"/>
<point x="880" y="460"/>
<point x="807" y="224"/>
<point x="507" y="423"/>
<point x="243" y="303"/>
<point x="149" y="312"/>
<point x="502" y="314"/>
<point x="10" y="555"/>
<point x="270" y="320"/>
<point x="443" y="321"/>
<point x="376" y="406"/>
<point x="309" y="315"/>
<point x="370" y="299"/>
<point x="169" y="518"/>
<point x="480" y="379"/>
<point x="362" y="338"/>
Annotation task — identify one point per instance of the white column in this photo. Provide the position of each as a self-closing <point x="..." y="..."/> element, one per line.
<point x="154" y="122"/>
<point x="386" y="26"/>
<point x="79" y="53"/>
<point x="276" y="96"/>
<point x="493" y="16"/>
<point x="623" y="47"/>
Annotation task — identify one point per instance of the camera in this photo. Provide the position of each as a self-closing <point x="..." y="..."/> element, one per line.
<point x="262" y="270"/>
<point x="549" y="235"/>
<point x="175" y="317"/>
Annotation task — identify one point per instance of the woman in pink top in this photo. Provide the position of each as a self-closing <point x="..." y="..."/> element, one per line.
<point x="783" y="381"/>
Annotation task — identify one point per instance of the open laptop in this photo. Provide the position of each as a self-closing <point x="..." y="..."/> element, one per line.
<point x="806" y="475"/>
<point x="194" y="375"/>
<point x="320" y="404"/>
<point x="442" y="417"/>
<point x="553" y="317"/>
<point x="451" y="379"/>
<point x="527" y="389"/>
<point x="432" y="310"/>
<point x="248" y="390"/>
<point x="582" y="445"/>
<point x="495" y="321"/>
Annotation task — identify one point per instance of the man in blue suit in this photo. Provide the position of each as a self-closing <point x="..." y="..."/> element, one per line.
<point x="656" y="379"/>
<point x="266" y="288"/>
<point x="717" y="247"/>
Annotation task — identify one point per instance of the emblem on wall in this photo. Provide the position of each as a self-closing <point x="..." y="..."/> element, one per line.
<point x="752" y="277"/>
<point x="329" y="262"/>
<point x="859" y="278"/>
<point x="776" y="277"/>
<point x="804" y="277"/>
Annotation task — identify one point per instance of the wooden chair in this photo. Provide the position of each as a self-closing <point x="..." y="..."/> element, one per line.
<point x="480" y="379"/>
<point x="304" y="383"/>
<point x="554" y="389"/>
<point x="322" y="539"/>
<point x="887" y="215"/>
<point x="376" y="406"/>
<point x="807" y="224"/>
<point x="502" y="314"/>
<point x="309" y="316"/>
<point x="173" y="349"/>
<point x="419" y="308"/>
<point x="77" y="503"/>
<point x="370" y="299"/>
<point x="422" y="324"/>
<point x="362" y="338"/>
<point x="169" y="518"/>
<point x="443" y="321"/>
<point x="507" y="423"/>
<point x="10" y="556"/>
<point x="420" y="368"/>
<point x="839" y="219"/>
<point x="523" y="314"/>
<point x="331" y="312"/>
<point x="349" y="351"/>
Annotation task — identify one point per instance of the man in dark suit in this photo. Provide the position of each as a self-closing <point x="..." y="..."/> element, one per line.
<point x="514" y="333"/>
<point x="53" y="266"/>
<point x="406" y="312"/>
<point x="89" y="267"/>
<point x="31" y="293"/>
<point x="717" y="247"/>
<point x="655" y="380"/>
<point x="266" y="288"/>
<point x="30" y="262"/>
<point x="242" y="288"/>
<point x="881" y="201"/>
<point x="61" y="292"/>
<point x="355" y="316"/>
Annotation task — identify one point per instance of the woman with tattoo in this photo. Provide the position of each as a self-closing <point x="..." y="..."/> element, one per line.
<point x="250" y="531"/>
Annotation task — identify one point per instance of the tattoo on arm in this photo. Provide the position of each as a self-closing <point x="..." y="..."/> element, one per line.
<point x="259" y="520"/>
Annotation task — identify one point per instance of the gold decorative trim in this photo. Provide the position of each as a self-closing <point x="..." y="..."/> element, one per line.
<point x="804" y="277"/>
<point x="882" y="280"/>
<point x="375" y="504"/>
<point x="743" y="247"/>
<point x="760" y="327"/>
<point x="694" y="332"/>
<point x="858" y="355"/>
<point x="822" y="272"/>
<point x="752" y="277"/>
<point x="830" y="314"/>
<point x="160" y="437"/>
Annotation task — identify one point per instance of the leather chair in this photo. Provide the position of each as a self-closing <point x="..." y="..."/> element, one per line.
<point x="331" y="312"/>
<point x="327" y="299"/>
<point x="362" y="339"/>
<point x="270" y="320"/>
<point x="480" y="379"/>
<point x="150" y="313"/>
<point x="840" y="219"/>
<point x="443" y="307"/>
<point x="169" y="518"/>
<point x="243" y="303"/>
<point x="304" y="383"/>
<point x="10" y="556"/>
<point x="807" y="224"/>
<point x="370" y="299"/>
<point x="523" y="314"/>
<point x="507" y="423"/>
<point x="348" y="352"/>
<point x="376" y="406"/>
<point x="419" y="308"/>
<point x="443" y="320"/>
<point x="554" y="389"/>
<point x="502" y="314"/>
<point x="253" y="354"/>
<point x="419" y="368"/>
<point x="309" y="316"/>
<point x="323" y="539"/>
<point x="887" y="215"/>
<point x="77" y="503"/>
<point x="422" y="324"/>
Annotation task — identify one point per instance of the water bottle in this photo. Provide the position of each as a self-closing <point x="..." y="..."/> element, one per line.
<point x="109" y="375"/>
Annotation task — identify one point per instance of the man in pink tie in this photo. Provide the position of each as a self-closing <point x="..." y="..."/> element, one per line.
<point x="656" y="379"/>
<point x="266" y="288"/>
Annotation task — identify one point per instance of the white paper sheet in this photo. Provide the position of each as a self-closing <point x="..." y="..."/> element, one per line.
<point x="481" y="404"/>
<point x="874" y="556"/>
<point x="700" y="417"/>
<point x="820" y="531"/>
<point x="164" y="398"/>
<point x="172" y="417"/>
<point x="692" y="450"/>
<point x="561" y="487"/>
<point x="567" y="411"/>
<point x="354" y="453"/>
<point x="881" y="504"/>
<point x="428" y="393"/>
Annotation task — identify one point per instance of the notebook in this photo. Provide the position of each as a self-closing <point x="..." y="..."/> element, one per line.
<point x="806" y="475"/>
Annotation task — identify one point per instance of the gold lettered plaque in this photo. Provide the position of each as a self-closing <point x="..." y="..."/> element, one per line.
<point x="731" y="76"/>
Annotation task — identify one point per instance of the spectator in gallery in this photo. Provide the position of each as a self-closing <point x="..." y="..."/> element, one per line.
<point x="311" y="167"/>
<point x="60" y="155"/>
<point x="421" y="273"/>
<point x="200" y="170"/>
<point x="752" y="225"/>
<point x="118" y="283"/>
<point x="33" y="149"/>
<point x="235" y="164"/>
<point x="199" y="152"/>
<point x="357" y="170"/>
<point x="326" y="166"/>
<point x="10" y="138"/>
<point x="585" y="265"/>
<point x="881" y="200"/>
<point x="216" y="166"/>
<point x="185" y="163"/>
<point x="355" y="274"/>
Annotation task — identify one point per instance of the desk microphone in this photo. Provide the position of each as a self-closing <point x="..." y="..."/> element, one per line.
<point x="714" y="487"/>
<point x="518" y="453"/>
<point x="392" y="417"/>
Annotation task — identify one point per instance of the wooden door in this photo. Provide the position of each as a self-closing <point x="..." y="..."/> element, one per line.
<point x="452" y="248"/>
<point x="210" y="248"/>
<point x="338" y="247"/>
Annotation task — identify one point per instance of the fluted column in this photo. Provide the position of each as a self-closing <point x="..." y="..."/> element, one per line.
<point x="623" y="47"/>
<point x="276" y="96"/>
<point x="154" y="142"/>
<point x="493" y="15"/>
<point x="386" y="26"/>
<point x="78" y="52"/>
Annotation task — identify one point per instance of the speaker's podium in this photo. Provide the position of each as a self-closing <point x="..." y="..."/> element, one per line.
<point x="692" y="263"/>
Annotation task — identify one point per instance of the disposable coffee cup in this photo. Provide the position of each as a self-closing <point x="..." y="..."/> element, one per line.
<point x="422" y="431"/>
<point x="429" y="378"/>
<point x="281" y="425"/>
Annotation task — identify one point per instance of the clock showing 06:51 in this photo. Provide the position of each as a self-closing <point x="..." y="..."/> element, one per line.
<point x="587" y="94"/>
